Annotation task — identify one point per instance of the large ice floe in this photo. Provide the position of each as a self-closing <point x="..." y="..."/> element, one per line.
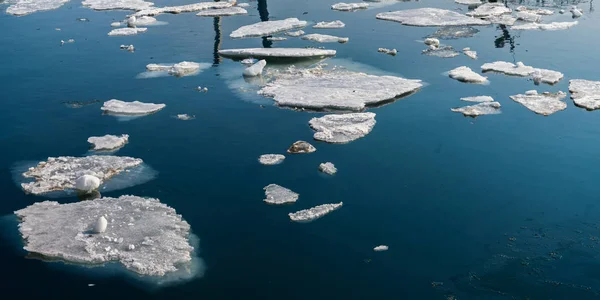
<point x="543" y="104"/>
<point x="25" y="7"/>
<point x="349" y="6"/>
<point x="585" y="93"/>
<point x="108" y="142"/>
<point x="480" y="109"/>
<point x="277" y="53"/>
<point x="222" y="12"/>
<point x="184" y="68"/>
<point x="127" y="31"/>
<point x="267" y="28"/>
<point x="60" y="173"/>
<point x="336" y="89"/>
<point x="342" y="128"/>
<point x="548" y="26"/>
<point x="465" y="74"/>
<point x="195" y="7"/>
<point x="117" y="4"/>
<point x="489" y="9"/>
<point x="329" y="25"/>
<point x="454" y="32"/>
<point x="313" y="213"/>
<point x="324" y="38"/>
<point x="520" y="69"/>
<point x="144" y="235"/>
<point x="276" y="194"/>
<point x="430" y="17"/>
<point x="271" y="159"/>
<point x="118" y="107"/>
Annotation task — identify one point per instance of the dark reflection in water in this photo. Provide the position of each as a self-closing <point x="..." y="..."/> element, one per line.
<point x="217" y="46"/>
<point x="263" y="12"/>
<point x="501" y="41"/>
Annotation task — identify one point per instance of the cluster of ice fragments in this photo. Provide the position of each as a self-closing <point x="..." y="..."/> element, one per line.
<point x="108" y="142"/>
<point x="60" y="173"/>
<point x="324" y="38"/>
<point x="129" y="48"/>
<point x="329" y="25"/>
<point x="430" y="17"/>
<point x="520" y="69"/>
<point x="222" y="12"/>
<point x="300" y="147"/>
<point x="328" y="168"/>
<point x="465" y="74"/>
<point x="267" y="28"/>
<point x="271" y="159"/>
<point x="118" y="107"/>
<point x="313" y="213"/>
<point x="144" y="235"/>
<point x="585" y="93"/>
<point x="276" y="194"/>
<point x="25" y="7"/>
<point x="127" y="31"/>
<point x="349" y="6"/>
<point x="319" y="88"/>
<point x="277" y="53"/>
<point x="342" y="128"/>
<point x="184" y="68"/>
<point x="543" y="104"/>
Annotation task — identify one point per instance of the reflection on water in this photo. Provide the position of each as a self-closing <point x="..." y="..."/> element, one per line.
<point x="501" y="41"/>
<point x="264" y="16"/>
<point x="217" y="45"/>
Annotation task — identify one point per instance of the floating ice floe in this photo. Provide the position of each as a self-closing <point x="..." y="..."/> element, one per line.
<point x="384" y="247"/>
<point x="267" y="28"/>
<point x="330" y="25"/>
<point x="255" y="69"/>
<point x="295" y="33"/>
<point x="301" y="147"/>
<point x="87" y="183"/>
<point x="585" y="93"/>
<point x="129" y="48"/>
<point x="222" y="12"/>
<point x="528" y="17"/>
<point x="441" y="51"/>
<point x="318" y="88"/>
<point x="478" y="99"/>
<point x="276" y="38"/>
<point x="342" y="128"/>
<point x="328" y="168"/>
<point x="324" y="38"/>
<point x="537" y="11"/>
<point x="314" y="213"/>
<point x="465" y="74"/>
<point x="127" y="31"/>
<point x="144" y="235"/>
<point x="349" y="6"/>
<point x="185" y="117"/>
<point x="480" y="109"/>
<point x="454" y="32"/>
<point x="117" y="4"/>
<point x="153" y="11"/>
<point x="25" y="7"/>
<point x="470" y="53"/>
<point x="276" y="194"/>
<point x="118" y="107"/>
<point x="266" y="53"/>
<point x="108" y="142"/>
<point x="60" y="173"/>
<point x="184" y="68"/>
<point x="489" y="9"/>
<point x="271" y="159"/>
<point x="430" y="17"/>
<point x="520" y="69"/>
<point x="548" y="26"/>
<point x="141" y="21"/>
<point x="507" y="20"/>
<point x="392" y="52"/>
<point x="116" y="24"/>
<point x="543" y="104"/>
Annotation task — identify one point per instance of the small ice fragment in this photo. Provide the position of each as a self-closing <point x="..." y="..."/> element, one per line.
<point x="184" y="68"/>
<point x="130" y="48"/>
<point x="432" y="41"/>
<point x="324" y="38"/>
<point x="295" y="33"/>
<point x="131" y="247"/>
<point x="100" y="225"/>
<point x="465" y="74"/>
<point x="267" y="28"/>
<point x="57" y="29"/>
<point x="248" y="61"/>
<point x="349" y="6"/>
<point x="62" y="42"/>
<point x="328" y="168"/>
<point x="87" y="183"/>
<point x="562" y="11"/>
<point x="543" y="104"/>
<point x="576" y="12"/>
<point x="204" y="89"/>
<point x="271" y="159"/>
<point x="480" y="109"/>
<point x="342" y="128"/>
<point x="70" y="41"/>
<point x="430" y="17"/>
<point x="185" y="117"/>
<point x="276" y="194"/>
<point x="441" y="51"/>
<point x="256" y="69"/>
<point x="383" y="247"/>
<point x="133" y="21"/>
<point x="91" y="284"/>
<point x="115" y="24"/>
<point x="108" y="142"/>
<point x="119" y="107"/>
<point x="127" y="31"/>
<point x="314" y="213"/>
<point x="243" y="4"/>
<point x="301" y="147"/>
<point x="478" y="99"/>
<point x="329" y="25"/>
<point x="470" y="53"/>
<point x="392" y="52"/>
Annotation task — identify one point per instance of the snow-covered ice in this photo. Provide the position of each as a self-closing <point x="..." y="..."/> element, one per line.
<point x="271" y="159"/>
<point x="465" y="74"/>
<point x="118" y="107"/>
<point x="127" y="31"/>
<point x="299" y="147"/>
<point x="384" y="247"/>
<point x="324" y="38"/>
<point x="314" y="213"/>
<point x="546" y="26"/>
<point x="478" y="99"/>
<point x="489" y="9"/>
<point x="25" y="7"/>
<point x="469" y="2"/>
<point x="276" y="194"/>
<point x="392" y="52"/>
<point x="160" y="237"/>
<point x="277" y="53"/>
<point x="222" y="12"/>
<point x="349" y="6"/>
<point x="329" y="25"/>
<point x="543" y="104"/>
<point x="108" y="142"/>
<point x="117" y="4"/>
<point x="470" y="53"/>
<point x="267" y="28"/>
<point x="87" y="183"/>
<point x="255" y="69"/>
<point x="585" y="93"/>
<point x="328" y="168"/>
<point x="342" y="128"/>
<point x="276" y="38"/>
<point x="430" y="17"/>
<point x="295" y="33"/>
<point x="480" y="109"/>
<point x="441" y="51"/>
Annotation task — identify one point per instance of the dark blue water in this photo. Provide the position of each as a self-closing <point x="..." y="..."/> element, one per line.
<point x="498" y="207"/>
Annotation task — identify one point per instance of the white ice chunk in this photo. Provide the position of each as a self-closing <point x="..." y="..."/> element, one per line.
<point x="115" y="24"/>
<point x="430" y="17"/>
<point x="108" y="142"/>
<point x="295" y="33"/>
<point x="87" y="183"/>
<point x="465" y="74"/>
<point x="243" y="4"/>
<point x="329" y="25"/>
<point x="548" y="26"/>
<point x="507" y="20"/>
<point x="277" y="53"/>
<point x="543" y="104"/>
<point x="127" y="31"/>
<point x="520" y="69"/>
<point x="222" y="12"/>
<point x="384" y="247"/>
<point x="349" y="6"/>
<point x="328" y="168"/>
<point x="267" y="28"/>
<point x="314" y="213"/>
<point x="576" y="12"/>
<point x="537" y="11"/>
<point x="432" y="42"/>
<point x="489" y="9"/>
<point x="392" y="52"/>
<point x="342" y="128"/>
<point x="25" y="7"/>
<point x="324" y="38"/>
<point x="480" y="109"/>
<point x="117" y="4"/>
<point x="184" y="68"/>
<point x="248" y="61"/>
<point x="528" y="17"/>
<point x="478" y="99"/>
<point x="101" y="225"/>
<point x="301" y="147"/>
<point x="585" y="93"/>
<point x="141" y="21"/>
<point x="271" y="159"/>
<point x="118" y="107"/>
<point x="61" y="231"/>
<point x="470" y="53"/>
<point x="151" y="11"/>
<point x="276" y="194"/>
<point x="256" y="69"/>
<point x="185" y="117"/>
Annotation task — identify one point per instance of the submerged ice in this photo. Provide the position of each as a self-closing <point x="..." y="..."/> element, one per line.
<point x="342" y="128"/>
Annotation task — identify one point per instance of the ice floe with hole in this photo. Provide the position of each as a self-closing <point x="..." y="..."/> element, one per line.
<point x="127" y="31"/>
<point x="324" y="38"/>
<point x="585" y="93"/>
<point x="267" y="28"/>
<point x="454" y="32"/>
<point x="537" y="11"/>
<point x="478" y="99"/>
<point x="342" y="128"/>
<point x="465" y="74"/>
<point x="271" y="159"/>
<point x="480" y="109"/>
<point x="307" y="215"/>
<point x="276" y="194"/>
<point x="144" y="235"/>
<point x="25" y="7"/>
<point x="543" y="104"/>
<point x="108" y="142"/>
<point x="349" y="6"/>
<point x="520" y="69"/>
<point x="277" y="53"/>
<point x="470" y="53"/>
<point x="391" y="52"/>
<point x="301" y="147"/>
<point x="195" y="7"/>
<point x="328" y="168"/>
<point x="184" y="68"/>
<point x="338" y="89"/>
<point x="60" y="173"/>
<point x="430" y="17"/>
<point x="222" y="12"/>
<point x="118" y="107"/>
<point x="295" y="33"/>
<point x="329" y="25"/>
<point x="546" y="26"/>
<point x="442" y="51"/>
<point x="117" y="4"/>
<point x="489" y="9"/>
